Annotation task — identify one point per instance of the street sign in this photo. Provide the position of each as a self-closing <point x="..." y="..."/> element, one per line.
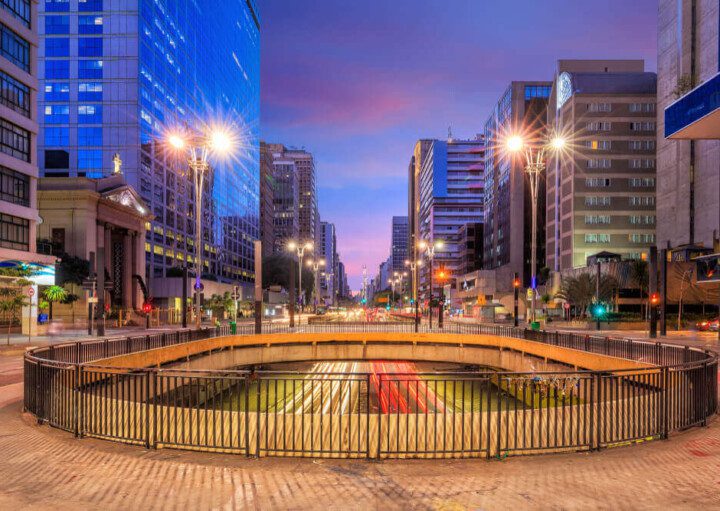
<point x="31" y="291"/>
<point x="566" y="305"/>
<point x="92" y="299"/>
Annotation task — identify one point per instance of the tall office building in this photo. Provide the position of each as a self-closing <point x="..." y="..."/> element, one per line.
<point x="286" y="195"/>
<point x="601" y="186"/>
<point x="688" y="153"/>
<point x="343" y="291"/>
<point x="117" y="76"/>
<point x="420" y="151"/>
<point x="450" y="194"/>
<point x="309" y="217"/>
<point x="267" y="197"/>
<point x="399" y="242"/>
<point x="521" y="110"/>
<point x="327" y="249"/>
<point x="19" y="127"/>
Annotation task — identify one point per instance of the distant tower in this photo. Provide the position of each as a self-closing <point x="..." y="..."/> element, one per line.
<point x="364" y="284"/>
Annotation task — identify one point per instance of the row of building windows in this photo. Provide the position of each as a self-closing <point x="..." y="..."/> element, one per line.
<point x="14" y="48"/>
<point x="89" y="161"/>
<point x="82" y="6"/>
<point x="60" y="69"/>
<point x="87" y="47"/>
<point x="14" y="140"/>
<point x="606" y="163"/>
<point x="633" y="145"/>
<point x="633" y="107"/>
<point x="642" y="220"/>
<point x="20" y="9"/>
<point x="595" y="200"/>
<point x="632" y="238"/>
<point x="14" y="232"/>
<point x="606" y="219"/>
<point x="14" y="94"/>
<point x="14" y="187"/>
<point x="60" y="114"/>
<point x="60" y="25"/>
<point x="607" y="126"/>
<point x="636" y="182"/>
<point x="60" y="91"/>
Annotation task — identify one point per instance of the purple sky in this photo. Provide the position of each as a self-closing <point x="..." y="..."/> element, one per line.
<point x="358" y="82"/>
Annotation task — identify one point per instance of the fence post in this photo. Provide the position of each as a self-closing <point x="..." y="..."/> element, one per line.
<point x="76" y="396"/>
<point x="587" y="342"/>
<point x="77" y="352"/>
<point x="127" y="345"/>
<point x="147" y="342"/>
<point x="105" y="348"/>
<point x="607" y="345"/>
<point x="600" y="415"/>
<point x="665" y="402"/>
<point x="148" y="440"/>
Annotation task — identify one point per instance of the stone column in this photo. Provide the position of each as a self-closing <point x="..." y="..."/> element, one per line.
<point x="127" y="271"/>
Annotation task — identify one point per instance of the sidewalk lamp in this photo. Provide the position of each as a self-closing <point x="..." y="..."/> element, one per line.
<point x="442" y="277"/>
<point x="430" y="249"/>
<point x="534" y="165"/>
<point x="199" y="148"/>
<point x="299" y="249"/>
<point x="315" y="267"/>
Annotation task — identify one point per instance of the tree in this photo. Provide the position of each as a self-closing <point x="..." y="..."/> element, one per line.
<point x="12" y="296"/>
<point x="72" y="270"/>
<point x="55" y="294"/>
<point x="580" y="290"/>
<point x="276" y="272"/>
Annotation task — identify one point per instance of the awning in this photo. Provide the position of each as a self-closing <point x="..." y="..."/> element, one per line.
<point x="696" y="115"/>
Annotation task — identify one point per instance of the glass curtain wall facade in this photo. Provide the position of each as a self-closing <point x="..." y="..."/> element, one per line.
<point x="118" y="75"/>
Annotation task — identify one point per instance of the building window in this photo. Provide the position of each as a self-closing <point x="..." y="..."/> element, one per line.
<point x="58" y="24"/>
<point x="20" y="9"/>
<point x="642" y="182"/>
<point x="90" y="24"/>
<point x="90" y="47"/>
<point x="602" y="163"/>
<point x="642" y="164"/>
<point x="594" y="200"/>
<point x="642" y="220"/>
<point x="90" y="5"/>
<point x="14" y="94"/>
<point x="597" y="238"/>
<point x="90" y="69"/>
<point x="57" y="114"/>
<point x="57" y="47"/>
<point x="90" y="136"/>
<point x="57" y="92"/>
<point x="14" y="48"/>
<point x="599" y="107"/>
<point x="597" y="182"/>
<point x="597" y="219"/>
<point x="642" y="107"/>
<point x="642" y="201"/>
<point x="89" y="114"/>
<point x="57" y="159"/>
<point x="89" y="159"/>
<point x="57" y="5"/>
<point x="57" y="69"/>
<point x="536" y="91"/>
<point x="14" y="232"/>
<point x="57" y="137"/>
<point x="641" y="145"/>
<point x="599" y="126"/>
<point x="57" y="237"/>
<point x="641" y="238"/>
<point x="604" y="145"/>
<point x="14" y="187"/>
<point x="14" y="140"/>
<point x="90" y="91"/>
<point x="642" y="126"/>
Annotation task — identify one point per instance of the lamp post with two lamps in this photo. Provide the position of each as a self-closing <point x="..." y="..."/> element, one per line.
<point x="534" y="165"/>
<point x="200" y="147"/>
<point x="429" y="249"/>
<point x="315" y="267"/>
<point x="300" y="249"/>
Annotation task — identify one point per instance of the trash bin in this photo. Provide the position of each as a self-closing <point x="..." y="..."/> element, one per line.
<point x="535" y="325"/>
<point x="233" y="327"/>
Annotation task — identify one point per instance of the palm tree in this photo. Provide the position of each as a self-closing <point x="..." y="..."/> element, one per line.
<point x="580" y="290"/>
<point x="54" y="294"/>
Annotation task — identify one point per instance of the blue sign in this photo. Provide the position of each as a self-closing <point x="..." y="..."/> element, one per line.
<point x="693" y="107"/>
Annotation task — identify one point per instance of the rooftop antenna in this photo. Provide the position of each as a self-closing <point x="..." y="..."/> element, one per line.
<point x="450" y="132"/>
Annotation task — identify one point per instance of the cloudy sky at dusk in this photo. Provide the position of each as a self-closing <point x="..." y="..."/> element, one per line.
<point x="357" y="83"/>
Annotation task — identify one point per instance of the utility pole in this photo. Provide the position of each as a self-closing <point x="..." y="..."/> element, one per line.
<point x="663" y="291"/>
<point x="258" y="288"/>
<point x="597" y="295"/>
<point x="652" y="287"/>
<point x="291" y="300"/>
<point x="516" y="297"/>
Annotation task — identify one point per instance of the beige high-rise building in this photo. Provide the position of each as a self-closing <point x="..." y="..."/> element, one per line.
<point x="601" y="186"/>
<point x="688" y="153"/>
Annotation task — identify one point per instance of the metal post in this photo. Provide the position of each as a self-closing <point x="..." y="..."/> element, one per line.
<point x="92" y="293"/>
<point x="597" y="295"/>
<point x="663" y="292"/>
<point x="516" y="297"/>
<point x="441" y="303"/>
<point x="291" y="298"/>
<point x="198" y="174"/>
<point x="652" y="287"/>
<point x="184" y="295"/>
<point x="258" y="287"/>
<point x="101" y="291"/>
<point x="431" y="294"/>
<point x="533" y="250"/>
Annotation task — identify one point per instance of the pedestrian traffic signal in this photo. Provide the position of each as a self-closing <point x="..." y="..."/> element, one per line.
<point x="655" y="299"/>
<point x="599" y="310"/>
<point x="516" y="283"/>
<point x="147" y="307"/>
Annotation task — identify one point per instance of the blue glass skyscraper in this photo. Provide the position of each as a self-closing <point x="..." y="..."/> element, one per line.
<point x="117" y="75"/>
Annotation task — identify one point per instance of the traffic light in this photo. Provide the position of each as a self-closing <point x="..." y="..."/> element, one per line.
<point x="516" y="282"/>
<point x="147" y="307"/>
<point x="655" y="299"/>
<point x="599" y="310"/>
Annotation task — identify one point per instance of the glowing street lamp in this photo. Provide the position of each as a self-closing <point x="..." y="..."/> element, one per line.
<point x="315" y="267"/>
<point x="429" y="249"/>
<point x="199" y="148"/>
<point x="300" y="249"/>
<point x="534" y="165"/>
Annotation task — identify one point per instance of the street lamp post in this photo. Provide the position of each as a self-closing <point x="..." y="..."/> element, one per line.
<point x="534" y="166"/>
<point x="199" y="149"/>
<point x="429" y="249"/>
<point x="300" y="248"/>
<point x="315" y="266"/>
<point x="414" y="265"/>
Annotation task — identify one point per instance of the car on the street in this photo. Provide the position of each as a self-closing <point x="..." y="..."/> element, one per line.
<point x="708" y="325"/>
